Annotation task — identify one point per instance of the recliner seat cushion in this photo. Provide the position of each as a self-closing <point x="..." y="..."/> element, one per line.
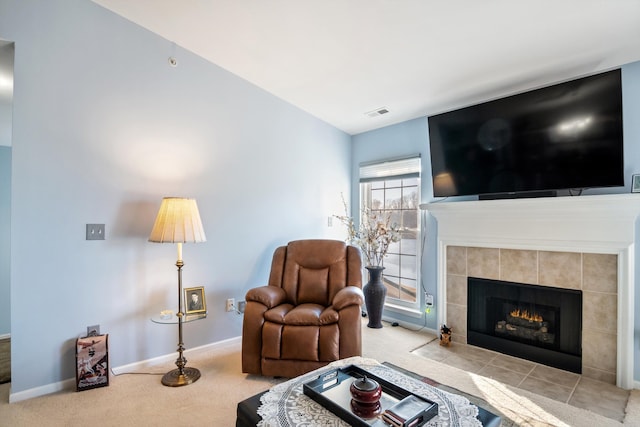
<point x="302" y="315"/>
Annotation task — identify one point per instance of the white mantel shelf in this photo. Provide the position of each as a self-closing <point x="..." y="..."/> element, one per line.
<point x="594" y="224"/>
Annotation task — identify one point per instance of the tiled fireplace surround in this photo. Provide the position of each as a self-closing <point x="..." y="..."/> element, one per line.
<point x="584" y="243"/>
<point x="594" y="274"/>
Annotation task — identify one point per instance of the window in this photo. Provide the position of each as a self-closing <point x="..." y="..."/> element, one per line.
<point x="393" y="188"/>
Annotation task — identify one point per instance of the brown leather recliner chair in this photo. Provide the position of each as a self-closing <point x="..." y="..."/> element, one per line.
<point x="309" y="314"/>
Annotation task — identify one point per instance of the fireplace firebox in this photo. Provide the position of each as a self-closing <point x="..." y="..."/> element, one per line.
<point x="537" y="323"/>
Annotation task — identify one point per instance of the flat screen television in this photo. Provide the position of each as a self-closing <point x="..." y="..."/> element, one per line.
<point x="565" y="136"/>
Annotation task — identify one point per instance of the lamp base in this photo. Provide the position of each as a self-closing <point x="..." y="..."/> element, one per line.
<point x="176" y="379"/>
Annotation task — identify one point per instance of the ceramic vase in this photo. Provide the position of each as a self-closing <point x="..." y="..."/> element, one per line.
<point x="374" y="295"/>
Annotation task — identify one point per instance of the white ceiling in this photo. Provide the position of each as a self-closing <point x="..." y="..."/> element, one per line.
<point x="339" y="59"/>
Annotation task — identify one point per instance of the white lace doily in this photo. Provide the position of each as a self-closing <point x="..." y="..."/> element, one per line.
<point x="285" y="405"/>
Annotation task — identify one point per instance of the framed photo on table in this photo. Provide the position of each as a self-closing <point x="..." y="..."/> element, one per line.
<point x="194" y="300"/>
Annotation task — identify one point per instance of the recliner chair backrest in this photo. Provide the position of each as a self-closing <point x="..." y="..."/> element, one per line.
<point x="313" y="271"/>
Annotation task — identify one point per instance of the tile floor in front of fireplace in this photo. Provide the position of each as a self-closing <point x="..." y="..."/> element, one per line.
<point x="602" y="398"/>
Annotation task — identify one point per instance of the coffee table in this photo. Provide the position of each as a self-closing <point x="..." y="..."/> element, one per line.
<point x="285" y="404"/>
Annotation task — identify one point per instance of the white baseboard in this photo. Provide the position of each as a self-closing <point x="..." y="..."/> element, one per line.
<point x="70" y="384"/>
<point x="171" y="356"/>
<point x="5" y="336"/>
<point x="410" y="312"/>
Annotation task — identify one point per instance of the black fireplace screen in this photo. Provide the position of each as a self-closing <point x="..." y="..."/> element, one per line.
<point x="539" y="323"/>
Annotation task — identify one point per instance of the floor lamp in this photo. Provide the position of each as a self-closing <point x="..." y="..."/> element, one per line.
<point x="178" y="221"/>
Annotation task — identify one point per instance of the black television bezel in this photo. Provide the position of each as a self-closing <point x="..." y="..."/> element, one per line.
<point x="618" y="181"/>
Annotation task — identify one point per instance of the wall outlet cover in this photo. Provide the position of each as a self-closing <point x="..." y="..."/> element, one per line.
<point x="428" y="300"/>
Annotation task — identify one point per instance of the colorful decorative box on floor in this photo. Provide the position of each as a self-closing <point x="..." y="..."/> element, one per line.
<point x="334" y="391"/>
<point x="92" y="362"/>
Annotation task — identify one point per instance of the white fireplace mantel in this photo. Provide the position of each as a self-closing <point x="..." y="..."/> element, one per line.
<point x="588" y="224"/>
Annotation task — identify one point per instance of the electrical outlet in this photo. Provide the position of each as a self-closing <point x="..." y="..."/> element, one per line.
<point x="95" y="231"/>
<point x="93" y="330"/>
<point x="231" y="302"/>
<point x="241" y="306"/>
<point x="428" y="300"/>
<point x="329" y="221"/>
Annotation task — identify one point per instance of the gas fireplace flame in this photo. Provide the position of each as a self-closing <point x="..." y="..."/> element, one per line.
<point x="524" y="314"/>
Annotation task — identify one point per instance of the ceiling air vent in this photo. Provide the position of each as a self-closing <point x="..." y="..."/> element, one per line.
<point x="377" y="112"/>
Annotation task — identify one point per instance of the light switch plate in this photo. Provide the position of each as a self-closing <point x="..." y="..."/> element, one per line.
<point x="95" y="231"/>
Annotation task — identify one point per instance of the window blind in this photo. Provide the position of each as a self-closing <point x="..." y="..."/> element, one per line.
<point x="398" y="169"/>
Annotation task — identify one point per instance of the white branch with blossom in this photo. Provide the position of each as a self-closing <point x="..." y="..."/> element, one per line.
<point x="375" y="234"/>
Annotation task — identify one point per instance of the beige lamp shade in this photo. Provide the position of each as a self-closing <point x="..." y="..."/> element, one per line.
<point x="178" y="221"/>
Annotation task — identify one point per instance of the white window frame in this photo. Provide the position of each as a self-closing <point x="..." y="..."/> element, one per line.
<point x="388" y="170"/>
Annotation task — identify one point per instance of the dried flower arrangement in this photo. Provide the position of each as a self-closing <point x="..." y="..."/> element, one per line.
<point x="374" y="236"/>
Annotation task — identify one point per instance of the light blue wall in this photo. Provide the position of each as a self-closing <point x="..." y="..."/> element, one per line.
<point x="103" y="129"/>
<point x="5" y="240"/>
<point x="413" y="137"/>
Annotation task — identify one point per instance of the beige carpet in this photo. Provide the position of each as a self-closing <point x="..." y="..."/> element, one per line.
<point x="140" y="400"/>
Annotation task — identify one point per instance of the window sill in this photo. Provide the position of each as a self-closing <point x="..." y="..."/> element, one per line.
<point x="407" y="311"/>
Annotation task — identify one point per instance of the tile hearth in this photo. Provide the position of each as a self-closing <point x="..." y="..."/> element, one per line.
<point x="573" y="389"/>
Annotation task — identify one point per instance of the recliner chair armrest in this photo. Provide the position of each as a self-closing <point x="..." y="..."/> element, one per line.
<point x="350" y="295"/>
<point x="269" y="296"/>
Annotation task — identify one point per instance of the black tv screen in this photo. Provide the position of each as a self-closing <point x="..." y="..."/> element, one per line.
<point x="565" y="136"/>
